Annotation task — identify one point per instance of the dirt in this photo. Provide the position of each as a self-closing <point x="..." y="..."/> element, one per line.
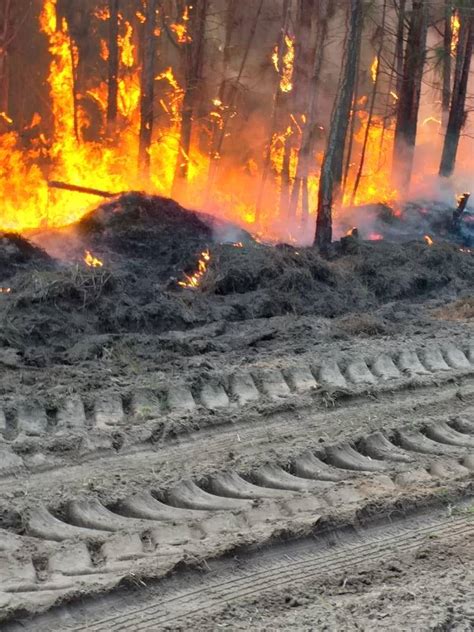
<point x="116" y="381"/>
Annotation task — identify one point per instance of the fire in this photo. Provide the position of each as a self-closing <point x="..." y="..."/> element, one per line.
<point x="195" y="280"/>
<point x="288" y="60"/>
<point x="5" y="290"/>
<point x="374" y="69"/>
<point x="375" y="237"/>
<point x="181" y="29"/>
<point x="455" y="27"/>
<point x="92" y="261"/>
<point x="127" y="47"/>
<point x="394" y="95"/>
<point x="428" y="240"/>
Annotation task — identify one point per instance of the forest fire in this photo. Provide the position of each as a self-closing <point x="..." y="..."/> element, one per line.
<point x="96" y="133"/>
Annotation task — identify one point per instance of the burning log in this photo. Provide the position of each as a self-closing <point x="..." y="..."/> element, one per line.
<point x="54" y="184"/>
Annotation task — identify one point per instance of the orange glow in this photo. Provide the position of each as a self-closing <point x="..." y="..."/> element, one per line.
<point x="288" y="60"/>
<point x="374" y="69"/>
<point x="5" y="290"/>
<point x="455" y="27"/>
<point x="92" y="261"/>
<point x="127" y="47"/>
<point x="194" y="280"/>
<point x="180" y="29"/>
<point x="375" y="237"/>
<point x="428" y="240"/>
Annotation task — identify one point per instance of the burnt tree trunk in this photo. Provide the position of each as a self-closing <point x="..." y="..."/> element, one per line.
<point x="147" y="89"/>
<point x="194" y="55"/>
<point x="457" y="114"/>
<point x="113" y="70"/>
<point x="447" y="43"/>
<point x="331" y="170"/>
<point x="409" y="97"/>
<point x="324" y="12"/>
<point x="371" y="107"/>
<point x="400" y="45"/>
<point x="5" y="26"/>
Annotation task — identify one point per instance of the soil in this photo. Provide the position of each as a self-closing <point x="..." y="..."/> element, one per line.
<point x="148" y="428"/>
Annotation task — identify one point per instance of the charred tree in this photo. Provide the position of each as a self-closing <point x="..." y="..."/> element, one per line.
<point x="457" y="114"/>
<point x="409" y="96"/>
<point x="193" y="62"/>
<point x="331" y="170"/>
<point x="113" y="69"/>
<point x="5" y="36"/>
<point x="324" y="12"/>
<point x="400" y="44"/>
<point x="371" y="106"/>
<point x="447" y="43"/>
<point x="147" y="89"/>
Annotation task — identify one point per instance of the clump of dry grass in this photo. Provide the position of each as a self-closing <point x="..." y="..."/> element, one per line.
<point x="462" y="309"/>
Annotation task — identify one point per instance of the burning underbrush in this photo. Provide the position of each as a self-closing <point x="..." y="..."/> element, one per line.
<point x="164" y="268"/>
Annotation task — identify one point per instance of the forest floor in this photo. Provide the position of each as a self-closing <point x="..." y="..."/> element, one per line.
<point x="233" y="456"/>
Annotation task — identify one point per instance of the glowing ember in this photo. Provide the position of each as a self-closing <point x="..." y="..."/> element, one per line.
<point x="194" y="280"/>
<point x="394" y="95"/>
<point x="5" y="290"/>
<point x="92" y="261"/>
<point x="375" y="237"/>
<point x="288" y="60"/>
<point x="428" y="240"/>
<point x="374" y="69"/>
<point x="238" y="244"/>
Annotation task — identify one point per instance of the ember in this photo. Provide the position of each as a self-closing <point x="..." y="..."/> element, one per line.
<point x="5" y="290"/>
<point x="428" y="240"/>
<point x="92" y="261"/>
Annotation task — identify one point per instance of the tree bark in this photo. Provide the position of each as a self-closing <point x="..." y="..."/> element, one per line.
<point x="147" y="89"/>
<point x="5" y="15"/>
<point x="371" y="107"/>
<point x="331" y="170"/>
<point x="300" y="184"/>
<point x="457" y="113"/>
<point x="447" y="42"/>
<point x="194" y="56"/>
<point x="409" y="97"/>
<point x="400" y="45"/>
<point x="113" y="70"/>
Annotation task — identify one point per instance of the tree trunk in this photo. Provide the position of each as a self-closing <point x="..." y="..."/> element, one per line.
<point x="300" y="185"/>
<point x="409" y="97"/>
<point x="371" y="107"/>
<point x="275" y="109"/>
<point x="447" y="42"/>
<point x="112" y="106"/>
<point x="194" y="55"/>
<point x="457" y="112"/>
<point x="400" y="45"/>
<point x="331" y="170"/>
<point x="5" y="25"/>
<point x="147" y="89"/>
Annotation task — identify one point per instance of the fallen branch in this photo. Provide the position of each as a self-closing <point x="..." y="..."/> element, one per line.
<point x="54" y="184"/>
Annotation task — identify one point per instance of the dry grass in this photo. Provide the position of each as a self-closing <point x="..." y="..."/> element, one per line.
<point x="462" y="309"/>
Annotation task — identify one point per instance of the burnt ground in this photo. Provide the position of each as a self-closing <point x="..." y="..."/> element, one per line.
<point x="60" y="310"/>
<point x="102" y="333"/>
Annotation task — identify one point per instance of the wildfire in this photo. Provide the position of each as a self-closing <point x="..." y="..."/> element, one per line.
<point x="374" y="69"/>
<point x="428" y="240"/>
<point x="375" y="237"/>
<point x="194" y="280"/>
<point x="181" y="29"/>
<point x="455" y="27"/>
<point x="92" y="261"/>
<point x="127" y="47"/>
<point x="287" y="62"/>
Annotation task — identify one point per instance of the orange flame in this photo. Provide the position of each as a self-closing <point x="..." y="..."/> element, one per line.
<point x="92" y="261"/>
<point x="5" y="290"/>
<point x="288" y="60"/>
<point x="374" y="69"/>
<point x="194" y="280"/>
<point x="455" y="28"/>
<point x="428" y="240"/>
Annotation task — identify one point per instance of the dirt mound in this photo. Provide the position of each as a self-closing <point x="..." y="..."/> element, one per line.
<point x="149" y="244"/>
<point x="18" y="254"/>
